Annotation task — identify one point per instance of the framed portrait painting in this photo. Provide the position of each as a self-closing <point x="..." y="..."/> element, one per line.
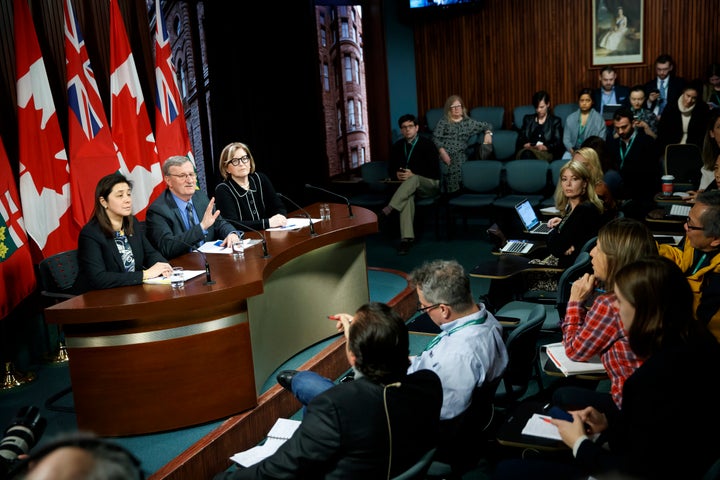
<point x="617" y="31"/>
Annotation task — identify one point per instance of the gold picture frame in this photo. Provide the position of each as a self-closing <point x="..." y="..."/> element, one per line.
<point x="617" y="31"/>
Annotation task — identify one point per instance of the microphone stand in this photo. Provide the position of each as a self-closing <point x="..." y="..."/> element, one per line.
<point x="347" y="200"/>
<point x="262" y="237"/>
<point x="312" y="227"/>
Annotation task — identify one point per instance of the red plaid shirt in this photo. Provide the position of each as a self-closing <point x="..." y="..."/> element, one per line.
<point x="599" y="331"/>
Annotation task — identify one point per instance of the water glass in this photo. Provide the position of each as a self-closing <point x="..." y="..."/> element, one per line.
<point x="325" y="211"/>
<point x="177" y="279"/>
<point x="238" y="249"/>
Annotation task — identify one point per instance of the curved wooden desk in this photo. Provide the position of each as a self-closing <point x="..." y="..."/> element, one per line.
<point x="149" y="358"/>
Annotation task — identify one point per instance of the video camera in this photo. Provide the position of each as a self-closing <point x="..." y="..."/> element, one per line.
<point x="23" y="433"/>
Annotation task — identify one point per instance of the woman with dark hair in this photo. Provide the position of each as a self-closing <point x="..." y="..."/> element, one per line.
<point x="541" y="134"/>
<point x="582" y="123"/>
<point x="112" y="248"/>
<point x="684" y="121"/>
<point x="654" y="435"/>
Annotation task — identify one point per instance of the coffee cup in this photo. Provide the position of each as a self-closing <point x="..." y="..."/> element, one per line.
<point x="667" y="185"/>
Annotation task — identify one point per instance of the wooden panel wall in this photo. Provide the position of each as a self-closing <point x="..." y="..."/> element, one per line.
<point x="505" y="51"/>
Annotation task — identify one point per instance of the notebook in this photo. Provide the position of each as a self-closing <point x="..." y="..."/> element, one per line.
<point x="679" y="210"/>
<point x="516" y="246"/>
<point x="530" y="220"/>
<point x="609" y="110"/>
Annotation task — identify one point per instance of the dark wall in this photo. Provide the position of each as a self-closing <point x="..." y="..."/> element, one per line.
<point x="266" y="88"/>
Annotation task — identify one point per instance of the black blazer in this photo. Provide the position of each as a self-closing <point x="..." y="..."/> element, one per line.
<point x="166" y="227"/>
<point x="550" y="133"/>
<point x="674" y="90"/>
<point x="344" y="433"/>
<point x="252" y="207"/>
<point x="622" y="96"/>
<point x="574" y="231"/>
<point x="100" y="263"/>
<point x="424" y="158"/>
<point x="670" y="127"/>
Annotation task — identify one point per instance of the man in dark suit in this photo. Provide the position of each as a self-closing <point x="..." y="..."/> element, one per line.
<point x="665" y="88"/>
<point x="636" y="162"/>
<point x="609" y="93"/>
<point x="183" y="216"/>
<point x="377" y="426"/>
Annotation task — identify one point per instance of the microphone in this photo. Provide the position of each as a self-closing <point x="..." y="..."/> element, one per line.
<point x="347" y="200"/>
<point x="312" y="228"/>
<point x="242" y="225"/>
<point x="208" y="277"/>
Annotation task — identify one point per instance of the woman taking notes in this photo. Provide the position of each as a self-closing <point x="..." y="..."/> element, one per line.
<point x="112" y="248"/>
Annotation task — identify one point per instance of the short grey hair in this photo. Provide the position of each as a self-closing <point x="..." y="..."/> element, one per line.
<point x="443" y="281"/>
<point x="174" y="161"/>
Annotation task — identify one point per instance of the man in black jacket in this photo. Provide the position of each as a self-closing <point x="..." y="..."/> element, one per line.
<point x="377" y="426"/>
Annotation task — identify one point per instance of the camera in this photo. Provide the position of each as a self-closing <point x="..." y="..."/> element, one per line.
<point x="23" y="433"/>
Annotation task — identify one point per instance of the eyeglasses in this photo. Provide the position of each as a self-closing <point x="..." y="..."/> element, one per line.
<point x="455" y="106"/>
<point x="184" y="176"/>
<point x="422" y="309"/>
<point x="236" y="161"/>
<point x="692" y="227"/>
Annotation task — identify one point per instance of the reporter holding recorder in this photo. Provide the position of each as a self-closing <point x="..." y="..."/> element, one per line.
<point x="113" y="250"/>
<point x="183" y="216"/>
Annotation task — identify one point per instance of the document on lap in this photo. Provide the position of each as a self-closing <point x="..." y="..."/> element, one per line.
<point x="278" y="434"/>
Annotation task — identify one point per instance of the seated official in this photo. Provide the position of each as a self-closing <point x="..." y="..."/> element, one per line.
<point x="182" y="218"/>
<point x="698" y="256"/>
<point x="247" y="196"/>
<point x="377" y="426"/>
<point x="415" y="161"/>
<point x="112" y="248"/>
<point x="651" y="437"/>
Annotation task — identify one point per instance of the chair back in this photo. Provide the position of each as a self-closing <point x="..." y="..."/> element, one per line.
<point x="492" y="115"/>
<point x="519" y="113"/>
<point x="373" y="173"/>
<point x="521" y="344"/>
<point x="526" y="176"/>
<point x="433" y="116"/>
<point x="58" y="275"/>
<point x="480" y="176"/>
<point x="562" y="110"/>
<point x="555" y="167"/>
<point x="504" y="144"/>
<point x="683" y="161"/>
<point x="582" y="265"/>
<point x="417" y="471"/>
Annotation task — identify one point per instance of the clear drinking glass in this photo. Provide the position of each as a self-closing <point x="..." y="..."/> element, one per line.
<point x="177" y="279"/>
<point x="238" y="249"/>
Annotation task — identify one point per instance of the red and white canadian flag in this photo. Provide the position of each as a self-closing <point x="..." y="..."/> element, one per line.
<point x="129" y="119"/>
<point x="44" y="169"/>
<point x="93" y="153"/>
<point x="170" y="128"/>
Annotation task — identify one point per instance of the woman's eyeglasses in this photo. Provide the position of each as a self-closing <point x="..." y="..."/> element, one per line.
<point x="236" y="161"/>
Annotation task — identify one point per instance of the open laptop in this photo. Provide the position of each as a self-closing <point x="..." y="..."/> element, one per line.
<point x="609" y="110"/>
<point x="529" y="219"/>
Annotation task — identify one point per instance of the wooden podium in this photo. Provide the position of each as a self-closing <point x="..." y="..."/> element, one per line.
<point x="148" y="358"/>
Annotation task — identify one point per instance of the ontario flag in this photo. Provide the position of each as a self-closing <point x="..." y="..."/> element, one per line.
<point x="170" y="127"/>
<point x="44" y="169"/>
<point x="92" y="151"/>
<point x="17" y="277"/>
<point x="129" y="119"/>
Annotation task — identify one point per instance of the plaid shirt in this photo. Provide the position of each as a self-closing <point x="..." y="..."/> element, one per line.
<point x="599" y="331"/>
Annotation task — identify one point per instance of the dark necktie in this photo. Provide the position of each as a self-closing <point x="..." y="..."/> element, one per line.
<point x="190" y="215"/>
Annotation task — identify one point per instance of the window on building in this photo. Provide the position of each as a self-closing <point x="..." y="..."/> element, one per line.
<point x="354" y="158"/>
<point x="323" y="37"/>
<point x="357" y="71"/>
<point x="177" y="25"/>
<point x="182" y="80"/>
<point x="339" y="120"/>
<point x="348" y="69"/>
<point x="326" y="77"/>
<point x="344" y="29"/>
<point x="360" y="122"/>
<point x="351" y="114"/>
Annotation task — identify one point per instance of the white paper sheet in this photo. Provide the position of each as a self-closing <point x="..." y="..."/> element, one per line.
<point x="294" y="224"/>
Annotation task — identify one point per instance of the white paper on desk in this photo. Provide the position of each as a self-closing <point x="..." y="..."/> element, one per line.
<point x="160" y="280"/>
<point x="550" y="211"/>
<point x="556" y="353"/>
<point x="537" y="427"/>
<point x="294" y="224"/>
<point x="214" y="247"/>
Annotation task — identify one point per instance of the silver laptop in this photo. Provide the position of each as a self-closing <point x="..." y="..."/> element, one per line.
<point x="609" y="111"/>
<point x="529" y="219"/>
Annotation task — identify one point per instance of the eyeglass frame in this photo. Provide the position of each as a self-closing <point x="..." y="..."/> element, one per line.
<point x="422" y="309"/>
<point x="456" y="106"/>
<point x="183" y="176"/>
<point x="692" y="227"/>
<point x="245" y="159"/>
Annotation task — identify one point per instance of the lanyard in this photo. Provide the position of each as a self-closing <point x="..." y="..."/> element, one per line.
<point x="697" y="266"/>
<point x="435" y="340"/>
<point x="627" y="149"/>
<point x="407" y="154"/>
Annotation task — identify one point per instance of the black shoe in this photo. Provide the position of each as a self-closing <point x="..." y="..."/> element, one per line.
<point x="349" y="377"/>
<point x="405" y="245"/>
<point x="284" y="378"/>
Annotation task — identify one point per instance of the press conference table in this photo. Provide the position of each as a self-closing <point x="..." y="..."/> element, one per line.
<point x="148" y="358"/>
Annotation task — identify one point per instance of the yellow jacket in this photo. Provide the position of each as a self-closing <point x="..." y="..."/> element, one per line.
<point x="683" y="258"/>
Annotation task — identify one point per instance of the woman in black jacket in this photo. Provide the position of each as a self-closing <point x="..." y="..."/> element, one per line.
<point x="541" y="134"/>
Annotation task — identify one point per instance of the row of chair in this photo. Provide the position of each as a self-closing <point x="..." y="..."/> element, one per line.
<point x="495" y="115"/>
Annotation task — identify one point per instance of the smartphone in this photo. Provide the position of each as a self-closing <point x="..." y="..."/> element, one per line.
<point x="559" y="413"/>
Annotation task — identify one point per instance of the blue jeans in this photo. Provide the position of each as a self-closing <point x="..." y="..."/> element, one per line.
<point x="306" y="385"/>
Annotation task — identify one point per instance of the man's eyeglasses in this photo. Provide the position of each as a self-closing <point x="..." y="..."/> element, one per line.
<point x="422" y="309"/>
<point x="183" y="176"/>
<point x="236" y="161"/>
<point x="692" y="227"/>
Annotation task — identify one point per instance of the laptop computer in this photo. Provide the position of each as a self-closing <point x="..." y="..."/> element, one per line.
<point x="609" y="110"/>
<point x="530" y="220"/>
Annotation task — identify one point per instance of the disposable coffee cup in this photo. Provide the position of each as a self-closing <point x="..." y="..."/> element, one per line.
<point x="667" y="185"/>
